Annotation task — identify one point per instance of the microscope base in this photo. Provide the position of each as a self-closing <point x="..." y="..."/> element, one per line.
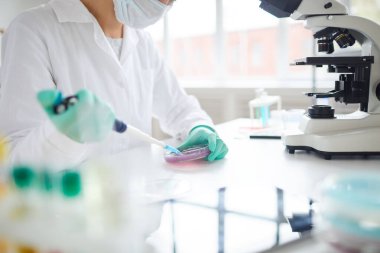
<point x="331" y="137"/>
<point x="329" y="155"/>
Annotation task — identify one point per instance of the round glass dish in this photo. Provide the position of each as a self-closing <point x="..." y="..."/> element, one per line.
<point x="190" y="154"/>
<point x="349" y="208"/>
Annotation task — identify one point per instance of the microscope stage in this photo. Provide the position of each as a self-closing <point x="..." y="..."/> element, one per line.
<point x="341" y="61"/>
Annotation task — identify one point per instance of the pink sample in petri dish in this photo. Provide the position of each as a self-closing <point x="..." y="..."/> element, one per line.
<point x="190" y="154"/>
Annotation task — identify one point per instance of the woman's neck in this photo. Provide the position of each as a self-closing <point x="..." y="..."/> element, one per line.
<point x="103" y="11"/>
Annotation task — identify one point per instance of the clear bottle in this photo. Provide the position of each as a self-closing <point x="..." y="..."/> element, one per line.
<point x="260" y="106"/>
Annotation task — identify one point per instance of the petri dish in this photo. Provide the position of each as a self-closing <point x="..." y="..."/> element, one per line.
<point x="190" y="154"/>
<point x="348" y="219"/>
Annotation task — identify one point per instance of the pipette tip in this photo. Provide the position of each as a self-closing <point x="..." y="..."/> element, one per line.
<point x="173" y="150"/>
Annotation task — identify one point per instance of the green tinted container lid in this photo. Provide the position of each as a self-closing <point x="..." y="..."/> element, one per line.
<point x="23" y="177"/>
<point x="71" y="184"/>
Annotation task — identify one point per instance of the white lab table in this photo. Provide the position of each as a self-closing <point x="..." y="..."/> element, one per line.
<point x="249" y="162"/>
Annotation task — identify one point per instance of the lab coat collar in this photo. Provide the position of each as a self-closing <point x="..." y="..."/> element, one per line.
<point x="71" y="11"/>
<point x="75" y="11"/>
<point x="130" y="41"/>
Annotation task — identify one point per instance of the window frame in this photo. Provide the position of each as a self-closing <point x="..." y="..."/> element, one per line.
<point x="221" y="80"/>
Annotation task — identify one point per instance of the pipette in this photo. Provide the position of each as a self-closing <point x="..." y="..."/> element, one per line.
<point x="119" y="126"/>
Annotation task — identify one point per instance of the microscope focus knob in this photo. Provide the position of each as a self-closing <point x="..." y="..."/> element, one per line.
<point x="321" y="112"/>
<point x="378" y="91"/>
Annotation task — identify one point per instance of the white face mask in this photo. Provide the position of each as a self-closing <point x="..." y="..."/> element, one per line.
<point x="139" y="13"/>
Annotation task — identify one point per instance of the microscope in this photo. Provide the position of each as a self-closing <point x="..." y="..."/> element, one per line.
<point x="321" y="130"/>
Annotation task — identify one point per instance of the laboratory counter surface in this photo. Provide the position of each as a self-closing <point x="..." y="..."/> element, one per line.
<point x="249" y="162"/>
<point x="251" y="165"/>
<point x="259" y="198"/>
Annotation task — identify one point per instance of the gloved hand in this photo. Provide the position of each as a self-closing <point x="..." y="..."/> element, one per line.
<point x="89" y="120"/>
<point x="206" y="135"/>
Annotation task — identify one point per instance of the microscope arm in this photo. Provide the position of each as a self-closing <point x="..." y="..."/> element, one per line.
<point x="365" y="30"/>
<point x="309" y="8"/>
<point x="301" y="9"/>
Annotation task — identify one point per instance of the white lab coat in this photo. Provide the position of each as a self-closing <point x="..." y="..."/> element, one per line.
<point x="62" y="45"/>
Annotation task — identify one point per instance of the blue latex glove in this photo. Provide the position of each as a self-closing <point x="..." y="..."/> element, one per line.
<point x="89" y="120"/>
<point x="204" y="135"/>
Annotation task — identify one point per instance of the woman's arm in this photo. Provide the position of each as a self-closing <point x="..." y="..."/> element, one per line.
<point x="25" y="70"/>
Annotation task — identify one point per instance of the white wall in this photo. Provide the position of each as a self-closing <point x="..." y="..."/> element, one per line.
<point x="10" y="8"/>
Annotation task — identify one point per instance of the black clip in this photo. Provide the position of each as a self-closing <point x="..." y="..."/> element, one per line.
<point x="64" y="105"/>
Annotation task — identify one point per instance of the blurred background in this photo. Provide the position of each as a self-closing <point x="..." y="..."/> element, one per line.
<point x="223" y="50"/>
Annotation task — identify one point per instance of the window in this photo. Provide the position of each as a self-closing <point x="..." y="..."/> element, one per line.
<point x="224" y="42"/>
<point x="190" y="38"/>
<point x="250" y="37"/>
<point x="234" y="42"/>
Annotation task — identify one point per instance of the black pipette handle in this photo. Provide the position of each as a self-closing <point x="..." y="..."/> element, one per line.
<point x="119" y="126"/>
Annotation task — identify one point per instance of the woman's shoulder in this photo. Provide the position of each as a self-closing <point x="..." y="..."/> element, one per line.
<point x="35" y="19"/>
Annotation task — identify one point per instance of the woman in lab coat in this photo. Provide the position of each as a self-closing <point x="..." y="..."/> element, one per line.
<point x="96" y="48"/>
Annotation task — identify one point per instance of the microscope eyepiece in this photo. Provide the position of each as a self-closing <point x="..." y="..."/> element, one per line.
<point x="280" y="8"/>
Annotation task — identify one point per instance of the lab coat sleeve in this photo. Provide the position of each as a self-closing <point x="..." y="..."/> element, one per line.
<point x="25" y="70"/>
<point x="177" y="111"/>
